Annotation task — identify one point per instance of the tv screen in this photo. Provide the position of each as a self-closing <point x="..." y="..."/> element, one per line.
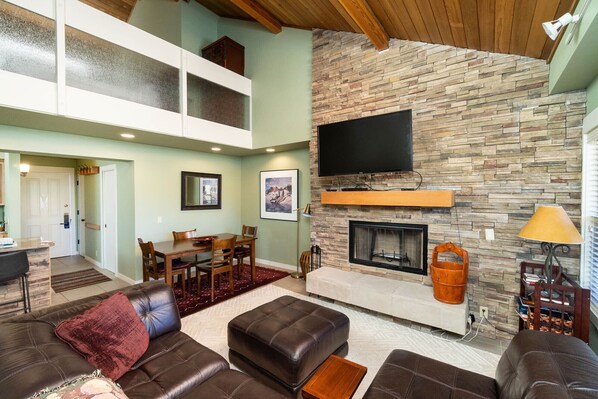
<point x="373" y="144"/>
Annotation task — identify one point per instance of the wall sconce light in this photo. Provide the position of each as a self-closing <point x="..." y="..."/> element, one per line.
<point x="24" y="168"/>
<point x="553" y="28"/>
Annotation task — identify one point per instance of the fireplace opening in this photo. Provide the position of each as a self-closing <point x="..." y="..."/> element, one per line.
<point x="393" y="246"/>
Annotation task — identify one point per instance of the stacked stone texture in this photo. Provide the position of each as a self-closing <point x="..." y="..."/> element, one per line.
<point x="483" y="126"/>
<point x="39" y="284"/>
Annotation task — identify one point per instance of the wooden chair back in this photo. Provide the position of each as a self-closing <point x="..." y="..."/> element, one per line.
<point x="223" y="251"/>
<point x="184" y="235"/>
<point x="249" y="231"/>
<point x="148" y="260"/>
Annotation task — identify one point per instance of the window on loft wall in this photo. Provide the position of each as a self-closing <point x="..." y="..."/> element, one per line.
<point x="589" y="266"/>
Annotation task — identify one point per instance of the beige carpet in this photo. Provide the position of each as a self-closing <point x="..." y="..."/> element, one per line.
<point x="371" y="338"/>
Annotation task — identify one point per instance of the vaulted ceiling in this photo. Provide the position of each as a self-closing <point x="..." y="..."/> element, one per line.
<point x="501" y="26"/>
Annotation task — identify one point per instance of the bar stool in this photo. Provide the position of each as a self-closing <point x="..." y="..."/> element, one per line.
<point x="15" y="265"/>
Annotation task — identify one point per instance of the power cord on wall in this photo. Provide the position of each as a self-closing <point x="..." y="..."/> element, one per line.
<point x="470" y="322"/>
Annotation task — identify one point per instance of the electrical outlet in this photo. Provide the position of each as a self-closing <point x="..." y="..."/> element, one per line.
<point x="484" y="312"/>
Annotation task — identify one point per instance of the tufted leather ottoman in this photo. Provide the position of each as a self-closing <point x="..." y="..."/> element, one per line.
<point x="283" y="342"/>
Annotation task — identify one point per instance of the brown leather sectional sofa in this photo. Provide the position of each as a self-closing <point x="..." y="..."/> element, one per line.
<point x="32" y="357"/>
<point x="535" y="365"/>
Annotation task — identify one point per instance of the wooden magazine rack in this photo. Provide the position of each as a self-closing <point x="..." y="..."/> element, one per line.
<point x="564" y="307"/>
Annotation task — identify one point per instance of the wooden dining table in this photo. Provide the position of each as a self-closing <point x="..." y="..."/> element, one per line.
<point x="170" y="250"/>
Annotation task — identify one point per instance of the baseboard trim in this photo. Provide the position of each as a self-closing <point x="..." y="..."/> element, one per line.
<point x="276" y="264"/>
<point x="93" y="261"/>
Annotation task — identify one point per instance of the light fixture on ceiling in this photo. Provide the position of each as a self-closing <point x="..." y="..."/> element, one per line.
<point x="127" y="136"/>
<point x="553" y="28"/>
<point x="24" y="168"/>
<point x="270" y="150"/>
<point x="216" y="149"/>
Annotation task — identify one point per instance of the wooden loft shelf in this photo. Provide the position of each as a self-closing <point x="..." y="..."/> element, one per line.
<point x="420" y="198"/>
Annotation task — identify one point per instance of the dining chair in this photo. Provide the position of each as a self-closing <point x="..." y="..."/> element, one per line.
<point x="13" y="266"/>
<point x="192" y="261"/>
<point x="223" y="252"/>
<point x="244" y="251"/>
<point x="154" y="269"/>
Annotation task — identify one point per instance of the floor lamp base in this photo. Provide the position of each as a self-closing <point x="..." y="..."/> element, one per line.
<point x="296" y="275"/>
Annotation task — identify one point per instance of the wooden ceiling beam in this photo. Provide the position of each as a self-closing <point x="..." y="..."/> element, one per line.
<point x="260" y="14"/>
<point x="363" y="16"/>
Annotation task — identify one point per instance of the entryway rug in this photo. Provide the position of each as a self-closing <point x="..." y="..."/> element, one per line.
<point x="78" y="279"/>
<point x="194" y="303"/>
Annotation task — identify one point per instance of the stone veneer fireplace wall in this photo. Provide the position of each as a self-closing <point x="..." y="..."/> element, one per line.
<point x="483" y="126"/>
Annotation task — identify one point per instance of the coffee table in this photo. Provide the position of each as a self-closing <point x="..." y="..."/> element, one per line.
<point x="337" y="378"/>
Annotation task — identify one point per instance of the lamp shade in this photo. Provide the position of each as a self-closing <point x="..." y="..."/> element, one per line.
<point x="551" y="224"/>
<point x="307" y="210"/>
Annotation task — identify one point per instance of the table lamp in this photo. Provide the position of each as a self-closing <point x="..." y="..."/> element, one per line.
<point x="307" y="213"/>
<point x="551" y="226"/>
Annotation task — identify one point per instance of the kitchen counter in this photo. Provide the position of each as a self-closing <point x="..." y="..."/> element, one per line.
<point x="38" y="254"/>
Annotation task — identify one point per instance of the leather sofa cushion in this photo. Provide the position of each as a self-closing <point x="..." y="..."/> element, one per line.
<point x="288" y="337"/>
<point x="173" y="364"/>
<point x="549" y="366"/>
<point x="153" y="301"/>
<point x="110" y="335"/>
<point x="33" y="358"/>
<point x="232" y="384"/>
<point x="407" y="375"/>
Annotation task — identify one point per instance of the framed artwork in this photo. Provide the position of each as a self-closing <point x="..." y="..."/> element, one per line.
<point x="278" y="194"/>
<point x="200" y="191"/>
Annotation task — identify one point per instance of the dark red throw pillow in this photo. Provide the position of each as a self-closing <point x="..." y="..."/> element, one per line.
<point x="111" y="336"/>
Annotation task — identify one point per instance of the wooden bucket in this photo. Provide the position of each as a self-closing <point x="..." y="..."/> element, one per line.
<point x="449" y="279"/>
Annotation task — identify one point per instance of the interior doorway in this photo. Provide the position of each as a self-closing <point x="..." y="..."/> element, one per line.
<point x="108" y="216"/>
<point x="47" y="206"/>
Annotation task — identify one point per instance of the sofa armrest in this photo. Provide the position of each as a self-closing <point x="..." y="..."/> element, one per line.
<point x="155" y="304"/>
<point x="541" y="364"/>
<point x="153" y="301"/>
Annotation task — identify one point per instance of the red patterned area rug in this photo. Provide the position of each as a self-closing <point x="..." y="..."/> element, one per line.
<point x="194" y="303"/>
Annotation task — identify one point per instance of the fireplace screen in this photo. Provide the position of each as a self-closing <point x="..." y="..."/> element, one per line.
<point x="392" y="246"/>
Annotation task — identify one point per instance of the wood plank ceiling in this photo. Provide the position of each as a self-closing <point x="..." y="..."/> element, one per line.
<point x="501" y="26"/>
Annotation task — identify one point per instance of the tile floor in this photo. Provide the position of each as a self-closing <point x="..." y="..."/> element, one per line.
<point x="74" y="263"/>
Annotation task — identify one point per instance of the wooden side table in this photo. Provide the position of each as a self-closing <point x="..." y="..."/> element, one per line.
<point x="337" y="378"/>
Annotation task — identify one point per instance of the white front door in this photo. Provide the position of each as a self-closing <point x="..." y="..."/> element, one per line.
<point x="109" y="231"/>
<point x="46" y="209"/>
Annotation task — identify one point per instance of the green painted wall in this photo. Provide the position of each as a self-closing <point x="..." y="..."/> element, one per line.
<point x="199" y="27"/>
<point x="49" y="161"/>
<point x="279" y="67"/>
<point x="161" y="18"/>
<point x="575" y="65"/>
<point x="592" y="96"/>
<point x="276" y="239"/>
<point x="92" y="212"/>
<point x="149" y="186"/>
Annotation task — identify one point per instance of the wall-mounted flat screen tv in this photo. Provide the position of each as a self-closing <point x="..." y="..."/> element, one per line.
<point x="374" y="144"/>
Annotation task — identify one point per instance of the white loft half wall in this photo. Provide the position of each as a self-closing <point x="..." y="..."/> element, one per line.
<point x="33" y="94"/>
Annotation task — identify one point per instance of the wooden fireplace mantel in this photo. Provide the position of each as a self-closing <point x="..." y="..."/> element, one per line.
<point x="419" y="198"/>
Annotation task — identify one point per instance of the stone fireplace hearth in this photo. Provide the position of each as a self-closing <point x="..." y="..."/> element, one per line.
<point x="394" y="246"/>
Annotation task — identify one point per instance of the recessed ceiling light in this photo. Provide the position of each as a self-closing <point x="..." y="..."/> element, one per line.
<point x="216" y="149"/>
<point x="270" y="150"/>
<point x="127" y="135"/>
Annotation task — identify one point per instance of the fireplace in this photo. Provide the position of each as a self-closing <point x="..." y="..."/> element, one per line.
<point x="394" y="246"/>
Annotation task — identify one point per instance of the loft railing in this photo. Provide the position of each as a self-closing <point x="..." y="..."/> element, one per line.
<point x="62" y="57"/>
